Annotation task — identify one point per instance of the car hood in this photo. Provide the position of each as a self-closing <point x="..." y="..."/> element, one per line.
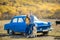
<point x="41" y="22"/>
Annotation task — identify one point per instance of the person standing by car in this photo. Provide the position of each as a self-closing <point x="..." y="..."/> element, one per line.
<point x="33" y="27"/>
<point x="29" y="21"/>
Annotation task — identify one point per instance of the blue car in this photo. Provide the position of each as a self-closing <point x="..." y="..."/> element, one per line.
<point x="18" y="24"/>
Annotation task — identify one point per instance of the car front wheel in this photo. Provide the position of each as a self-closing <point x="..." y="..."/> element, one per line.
<point x="45" y="33"/>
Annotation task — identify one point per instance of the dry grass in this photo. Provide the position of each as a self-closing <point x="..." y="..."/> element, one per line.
<point x="54" y="32"/>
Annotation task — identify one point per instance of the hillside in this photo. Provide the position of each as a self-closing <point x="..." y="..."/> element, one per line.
<point x="40" y="8"/>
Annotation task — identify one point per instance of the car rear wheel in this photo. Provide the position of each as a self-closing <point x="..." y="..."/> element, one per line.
<point x="45" y="33"/>
<point x="10" y="32"/>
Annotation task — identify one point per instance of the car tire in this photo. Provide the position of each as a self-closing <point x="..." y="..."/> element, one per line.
<point x="10" y="32"/>
<point x="23" y="34"/>
<point x="45" y="33"/>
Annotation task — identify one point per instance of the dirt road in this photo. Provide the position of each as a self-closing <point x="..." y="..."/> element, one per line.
<point x="53" y="35"/>
<point x="19" y="37"/>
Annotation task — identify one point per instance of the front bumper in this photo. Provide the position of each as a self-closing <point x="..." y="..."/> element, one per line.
<point x="49" y="29"/>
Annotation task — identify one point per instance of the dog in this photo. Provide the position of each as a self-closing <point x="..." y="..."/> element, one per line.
<point x="34" y="31"/>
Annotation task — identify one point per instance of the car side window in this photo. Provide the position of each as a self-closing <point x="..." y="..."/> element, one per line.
<point x="20" y="20"/>
<point x="15" y="20"/>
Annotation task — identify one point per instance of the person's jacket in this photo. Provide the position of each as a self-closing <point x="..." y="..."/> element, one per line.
<point x="27" y="19"/>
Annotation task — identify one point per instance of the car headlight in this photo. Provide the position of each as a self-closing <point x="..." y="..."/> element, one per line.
<point x="40" y="28"/>
<point x="49" y="23"/>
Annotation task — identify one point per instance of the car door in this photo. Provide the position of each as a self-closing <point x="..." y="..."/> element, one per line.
<point x="13" y="24"/>
<point x="20" y="26"/>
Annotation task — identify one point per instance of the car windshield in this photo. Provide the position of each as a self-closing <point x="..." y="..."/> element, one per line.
<point x="36" y="19"/>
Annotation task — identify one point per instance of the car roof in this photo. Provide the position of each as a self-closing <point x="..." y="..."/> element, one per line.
<point x="20" y="16"/>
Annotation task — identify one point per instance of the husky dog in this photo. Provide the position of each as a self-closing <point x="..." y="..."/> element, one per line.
<point x="34" y="31"/>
